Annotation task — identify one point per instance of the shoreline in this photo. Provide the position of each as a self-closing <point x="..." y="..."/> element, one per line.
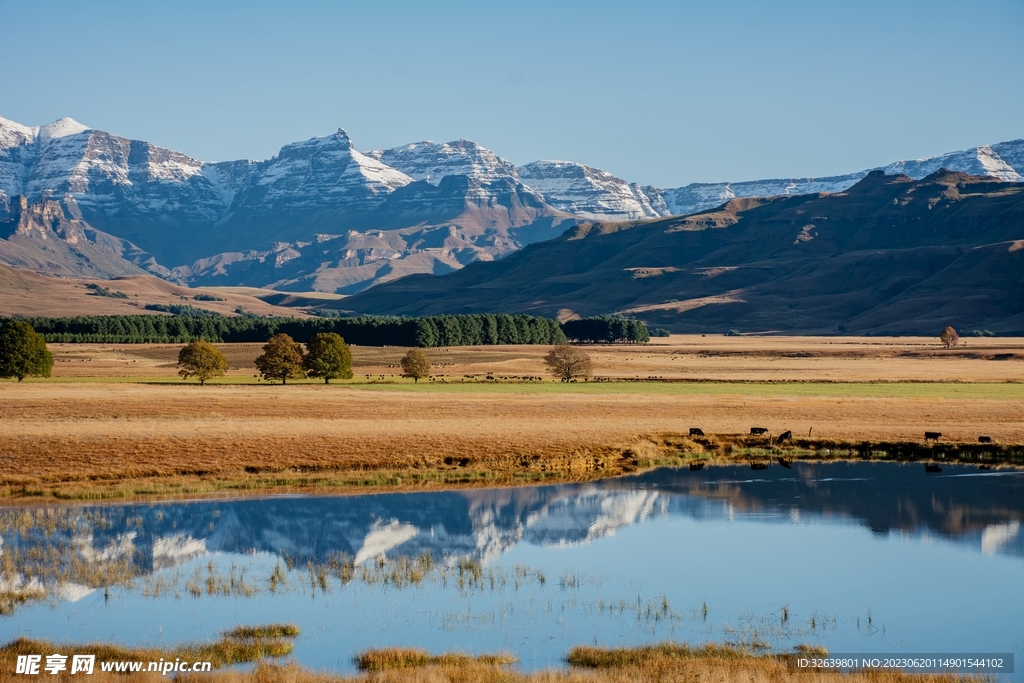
<point x="643" y="454"/>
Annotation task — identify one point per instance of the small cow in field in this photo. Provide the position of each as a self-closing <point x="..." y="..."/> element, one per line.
<point x="932" y="436"/>
<point x="984" y="439"/>
<point x="758" y="430"/>
<point x="696" y="431"/>
<point x="784" y="437"/>
<point x="932" y="468"/>
<point x="696" y="466"/>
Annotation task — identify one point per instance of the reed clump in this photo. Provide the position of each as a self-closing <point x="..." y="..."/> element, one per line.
<point x="262" y="632"/>
<point x="588" y="657"/>
<point x="385" y="659"/>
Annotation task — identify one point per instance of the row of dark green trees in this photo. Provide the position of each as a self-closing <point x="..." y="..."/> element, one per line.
<point x="428" y="331"/>
<point x="606" y="329"/>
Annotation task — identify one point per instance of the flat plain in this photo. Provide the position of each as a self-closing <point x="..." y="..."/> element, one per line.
<point x="115" y="420"/>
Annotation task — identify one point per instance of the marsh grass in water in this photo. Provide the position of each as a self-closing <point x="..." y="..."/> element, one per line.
<point x="241" y="645"/>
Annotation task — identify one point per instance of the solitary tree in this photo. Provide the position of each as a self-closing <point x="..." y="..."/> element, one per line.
<point x="201" y="359"/>
<point x="416" y="365"/>
<point x="23" y="352"/>
<point x="328" y="356"/>
<point x="567" y="362"/>
<point x="281" y="359"/>
<point x="949" y="337"/>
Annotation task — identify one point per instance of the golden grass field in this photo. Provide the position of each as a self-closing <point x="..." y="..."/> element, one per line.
<point x="115" y="420"/>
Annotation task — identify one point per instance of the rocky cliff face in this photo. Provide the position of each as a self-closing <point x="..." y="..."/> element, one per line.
<point x="50" y="237"/>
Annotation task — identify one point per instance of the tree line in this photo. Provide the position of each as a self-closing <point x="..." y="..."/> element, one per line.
<point x="607" y="329"/>
<point x="428" y="331"/>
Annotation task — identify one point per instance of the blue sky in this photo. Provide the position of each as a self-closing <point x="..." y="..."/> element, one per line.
<point x="665" y="93"/>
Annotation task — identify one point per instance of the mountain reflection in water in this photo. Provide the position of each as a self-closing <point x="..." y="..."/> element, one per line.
<point x="981" y="510"/>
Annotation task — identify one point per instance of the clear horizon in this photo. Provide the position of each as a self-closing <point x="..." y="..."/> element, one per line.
<point x="657" y="93"/>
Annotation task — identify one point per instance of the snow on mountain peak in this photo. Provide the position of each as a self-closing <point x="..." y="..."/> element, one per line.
<point x="341" y="135"/>
<point x="14" y="126"/>
<point x="432" y="161"/>
<point x="586" y="191"/>
<point x="61" y="128"/>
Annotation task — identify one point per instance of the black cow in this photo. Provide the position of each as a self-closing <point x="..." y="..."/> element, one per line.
<point x="696" y="431"/>
<point x="932" y="436"/>
<point x="696" y="466"/>
<point x="758" y="466"/>
<point x="984" y="439"/>
<point x="758" y="430"/>
<point x="784" y="436"/>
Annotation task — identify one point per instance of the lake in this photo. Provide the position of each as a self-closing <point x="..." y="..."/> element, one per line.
<point x="856" y="556"/>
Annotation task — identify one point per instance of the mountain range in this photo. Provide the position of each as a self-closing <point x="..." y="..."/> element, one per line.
<point x="321" y="215"/>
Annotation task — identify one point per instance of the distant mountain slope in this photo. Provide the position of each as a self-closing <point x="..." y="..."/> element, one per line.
<point x="24" y="293"/>
<point x="999" y="161"/>
<point x="891" y="254"/>
<point x="599" y="195"/>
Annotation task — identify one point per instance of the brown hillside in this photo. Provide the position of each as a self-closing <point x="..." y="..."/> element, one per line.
<point x="890" y="255"/>
<point x="25" y="293"/>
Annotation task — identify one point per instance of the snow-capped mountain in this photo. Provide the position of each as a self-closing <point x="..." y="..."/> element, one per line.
<point x="586" y="191"/>
<point x="322" y="215"/>
<point x="595" y="194"/>
<point x="432" y="161"/>
<point x="317" y="214"/>
<point x="999" y="161"/>
<point x="318" y="173"/>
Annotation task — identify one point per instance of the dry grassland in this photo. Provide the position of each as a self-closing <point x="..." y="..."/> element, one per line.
<point x="681" y="357"/>
<point x="82" y="434"/>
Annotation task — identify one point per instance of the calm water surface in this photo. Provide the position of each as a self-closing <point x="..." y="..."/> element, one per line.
<point x="859" y="557"/>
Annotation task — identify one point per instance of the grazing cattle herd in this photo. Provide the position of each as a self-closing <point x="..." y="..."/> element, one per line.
<point x="787" y="437"/>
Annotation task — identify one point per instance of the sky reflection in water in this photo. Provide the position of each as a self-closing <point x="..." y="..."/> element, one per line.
<point x="870" y="557"/>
